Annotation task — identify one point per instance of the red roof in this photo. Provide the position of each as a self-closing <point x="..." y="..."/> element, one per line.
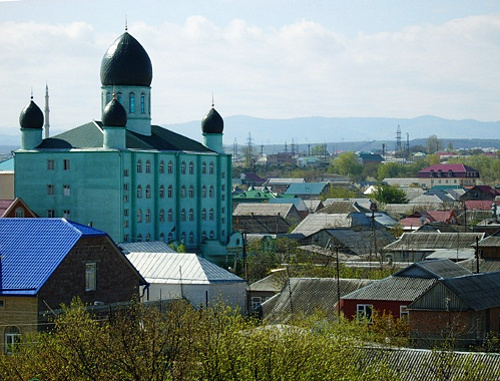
<point x="4" y="206"/>
<point x="457" y="170"/>
<point x="480" y="204"/>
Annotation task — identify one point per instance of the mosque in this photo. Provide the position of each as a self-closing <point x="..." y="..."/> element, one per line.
<point x="134" y="180"/>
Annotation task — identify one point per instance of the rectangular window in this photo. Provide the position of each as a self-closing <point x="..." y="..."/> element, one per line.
<point x="403" y="312"/>
<point x="66" y="214"/>
<point x="125" y="173"/>
<point x="365" y="312"/>
<point x="66" y="191"/>
<point x="66" y="164"/>
<point x="256" y="302"/>
<point x="90" y="276"/>
<point x="2" y="303"/>
<point x="19" y="212"/>
<point x="50" y="164"/>
<point x="50" y="190"/>
<point x="125" y="187"/>
<point x="125" y="212"/>
<point x="51" y="213"/>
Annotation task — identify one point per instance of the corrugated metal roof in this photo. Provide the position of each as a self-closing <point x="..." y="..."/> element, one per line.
<point x="146" y="247"/>
<point x="250" y="209"/>
<point x="32" y="248"/>
<point x="439" y="268"/>
<point x="305" y="296"/>
<point x="315" y="222"/>
<point x="306" y="188"/>
<point x="7" y="165"/>
<point x="393" y="288"/>
<point x="359" y="242"/>
<point x="432" y="241"/>
<point x="426" y="365"/>
<point x="478" y="291"/>
<point x="491" y="241"/>
<point x="460" y="254"/>
<point x="485" y="265"/>
<point x="269" y="283"/>
<point x="185" y="268"/>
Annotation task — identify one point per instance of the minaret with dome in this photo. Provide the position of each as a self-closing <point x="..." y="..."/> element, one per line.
<point x="126" y="176"/>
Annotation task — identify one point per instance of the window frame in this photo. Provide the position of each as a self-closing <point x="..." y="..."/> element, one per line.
<point x="90" y="276"/>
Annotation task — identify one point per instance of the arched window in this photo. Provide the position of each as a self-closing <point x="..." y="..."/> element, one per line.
<point x="191" y="167"/>
<point x="191" y="237"/>
<point x="161" y="168"/>
<point x="131" y="101"/>
<point x="19" y="213"/>
<point x="203" y="191"/>
<point x="161" y="215"/>
<point x="139" y="166"/>
<point x="183" y="168"/>
<point x="148" y="166"/>
<point x="148" y="191"/>
<point x="203" y="214"/>
<point x="139" y="215"/>
<point x="139" y="237"/>
<point x="191" y="215"/>
<point x="211" y="234"/>
<point x="203" y="167"/>
<point x="170" y="215"/>
<point x="162" y="237"/>
<point x="183" y="237"/>
<point x="148" y="216"/>
<point x="183" y="215"/>
<point x="161" y="193"/>
<point x="191" y="191"/>
<point x="148" y="237"/>
<point x="143" y="108"/>
<point x="183" y="191"/>
<point x="170" y="191"/>
<point x="119" y="98"/>
<point x="211" y="214"/>
<point x="203" y="235"/>
<point x="211" y="168"/>
<point x="139" y="191"/>
<point x="211" y="191"/>
<point x="170" y="167"/>
<point x="170" y="237"/>
<point x="12" y="339"/>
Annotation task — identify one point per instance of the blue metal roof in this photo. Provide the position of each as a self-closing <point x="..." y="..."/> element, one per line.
<point x="32" y="248"/>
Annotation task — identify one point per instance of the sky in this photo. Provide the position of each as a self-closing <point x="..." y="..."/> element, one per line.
<point x="275" y="59"/>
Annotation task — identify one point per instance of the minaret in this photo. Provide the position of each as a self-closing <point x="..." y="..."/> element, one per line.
<point x="46" y="126"/>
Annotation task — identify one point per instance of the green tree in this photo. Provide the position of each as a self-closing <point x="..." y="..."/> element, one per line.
<point x="433" y="144"/>
<point x="347" y="164"/>
<point x="389" y="194"/>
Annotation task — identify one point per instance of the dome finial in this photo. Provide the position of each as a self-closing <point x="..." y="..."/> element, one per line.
<point x="31" y="92"/>
<point x="126" y="24"/>
<point x="213" y="103"/>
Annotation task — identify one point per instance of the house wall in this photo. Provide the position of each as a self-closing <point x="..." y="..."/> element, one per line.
<point x="349" y="307"/>
<point x="116" y="279"/>
<point x="20" y="312"/>
<point x="232" y="294"/>
<point x="6" y="185"/>
<point x="103" y="191"/>
<point x="428" y="327"/>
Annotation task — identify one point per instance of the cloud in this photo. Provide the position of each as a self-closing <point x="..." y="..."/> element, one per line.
<point x="300" y="69"/>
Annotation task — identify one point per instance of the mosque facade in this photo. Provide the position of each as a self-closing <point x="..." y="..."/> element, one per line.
<point x="134" y="180"/>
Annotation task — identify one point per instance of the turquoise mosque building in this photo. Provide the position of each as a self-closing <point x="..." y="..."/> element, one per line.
<point x="134" y="180"/>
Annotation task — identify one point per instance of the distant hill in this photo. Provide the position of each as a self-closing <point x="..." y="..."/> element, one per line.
<point x="342" y="134"/>
<point x="314" y="130"/>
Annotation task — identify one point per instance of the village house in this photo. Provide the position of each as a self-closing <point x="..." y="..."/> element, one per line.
<point x="47" y="262"/>
<point x="459" y="175"/>
<point x="394" y="294"/>
<point x="463" y="309"/>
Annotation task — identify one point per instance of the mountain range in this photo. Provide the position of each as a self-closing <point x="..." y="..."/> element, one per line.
<point x="339" y="132"/>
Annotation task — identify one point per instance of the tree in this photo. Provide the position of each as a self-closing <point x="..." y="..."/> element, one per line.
<point x="347" y="164"/>
<point x="433" y="144"/>
<point x="389" y="194"/>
